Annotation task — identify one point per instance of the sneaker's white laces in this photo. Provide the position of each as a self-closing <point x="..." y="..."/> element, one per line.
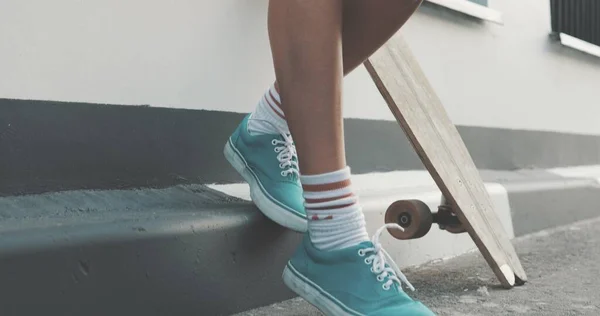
<point x="378" y="258"/>
<point x="286" y="152"/>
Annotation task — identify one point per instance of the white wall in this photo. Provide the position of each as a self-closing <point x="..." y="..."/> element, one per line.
<point x="184" y="53"/>
<point x="215" y="55"/>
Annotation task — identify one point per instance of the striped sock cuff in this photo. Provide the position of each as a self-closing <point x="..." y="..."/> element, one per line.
<point x="332" y="190"/>
<point x="335" y="218"/>
<point x="268" y="117"/>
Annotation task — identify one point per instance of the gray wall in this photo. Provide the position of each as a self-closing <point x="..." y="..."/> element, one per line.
<point x="214" y="55"/>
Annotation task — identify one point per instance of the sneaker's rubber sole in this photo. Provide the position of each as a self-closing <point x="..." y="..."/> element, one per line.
<point x="260" y="196"/>
<point x="313" y="294"/>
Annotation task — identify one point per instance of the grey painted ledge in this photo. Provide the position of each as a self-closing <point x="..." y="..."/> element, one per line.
<point x="48" y="146"/>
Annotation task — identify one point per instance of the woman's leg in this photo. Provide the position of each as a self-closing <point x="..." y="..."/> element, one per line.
<point x="336" y="268"/>
<point x="316" y="54"/>
<point x="306" y="41"/>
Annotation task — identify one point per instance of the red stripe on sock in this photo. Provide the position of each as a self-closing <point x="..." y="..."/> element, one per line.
<point x="328" y="199"/>
<point x="326" y="186"/>
<point x="317" y="218"/>
<point x="273" y="107"/>
<point x="328" y="208"/>
<point x="275" y="100"/>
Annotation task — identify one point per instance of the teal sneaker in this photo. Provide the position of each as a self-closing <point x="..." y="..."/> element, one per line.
<point x="269" y="164"/>
<point x="352" y="281"/>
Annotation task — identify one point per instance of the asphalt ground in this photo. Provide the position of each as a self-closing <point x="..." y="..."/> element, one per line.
<point x="562" y="265"/>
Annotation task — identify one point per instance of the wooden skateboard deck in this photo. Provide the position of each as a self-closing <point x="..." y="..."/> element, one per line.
<point x="436" y="140"/>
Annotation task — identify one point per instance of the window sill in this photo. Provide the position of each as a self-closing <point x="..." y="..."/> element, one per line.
<point x="580" y="45"/>
<point x="472" y="9"/>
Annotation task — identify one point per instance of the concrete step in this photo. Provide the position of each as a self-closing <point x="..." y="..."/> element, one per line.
<point x="192" y="249"/>
<point x="184" y="250"/>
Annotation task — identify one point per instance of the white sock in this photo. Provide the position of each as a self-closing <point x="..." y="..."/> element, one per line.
<point x="268" y="117"/>
<point x="335" y="219"/>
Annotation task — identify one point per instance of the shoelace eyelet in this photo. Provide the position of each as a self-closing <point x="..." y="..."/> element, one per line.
<point x="361" y="253"/>
<point x="385" y="287"/>
<point x="274" y="142"/>
<point x="367" y="261"/>
<point x="380" y="278"/>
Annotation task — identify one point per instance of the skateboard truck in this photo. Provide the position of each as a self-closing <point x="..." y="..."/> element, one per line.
<point x="416" y="218"/>
<point x="446" y="218"/>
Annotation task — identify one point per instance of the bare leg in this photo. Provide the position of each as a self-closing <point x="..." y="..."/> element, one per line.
<point x="306" y="41"/>
<point x="366" y="25"/>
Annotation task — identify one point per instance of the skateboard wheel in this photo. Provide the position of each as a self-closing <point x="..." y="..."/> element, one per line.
<point x="413" y="215"/>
